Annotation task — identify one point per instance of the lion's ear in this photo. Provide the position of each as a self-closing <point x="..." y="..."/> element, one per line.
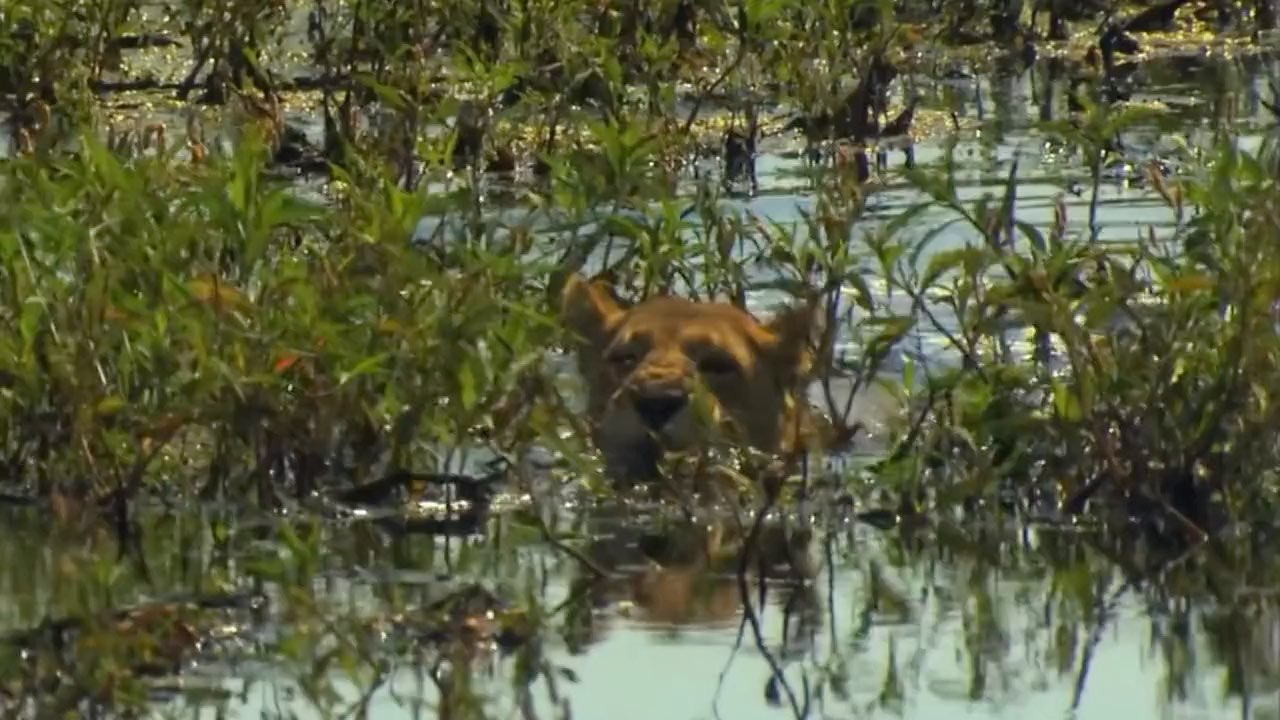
<point x="792" y="331"/>
<point x="588" y="308"/>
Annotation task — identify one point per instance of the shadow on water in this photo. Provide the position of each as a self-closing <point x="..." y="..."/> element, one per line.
<point x="637" y="610"/>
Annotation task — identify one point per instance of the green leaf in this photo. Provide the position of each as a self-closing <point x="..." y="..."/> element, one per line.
<point x="109" y="405"/>
<point x="33" y="311"/>
<point x="467" y="394"/>
<point x="862" y="291"/>
<point x="893" y="328"/>
<point x="945" y="261"/>
<point x="366" y="366"/>
<point x="1033" y="234"/>
<point x="1064" y="402"/>
<point x="928" y="239"/>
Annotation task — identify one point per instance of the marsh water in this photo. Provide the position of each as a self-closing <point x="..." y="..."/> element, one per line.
<point x="1035" y="621"/>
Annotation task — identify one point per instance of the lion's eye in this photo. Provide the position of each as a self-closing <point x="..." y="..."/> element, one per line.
<point x="717" y="364"/>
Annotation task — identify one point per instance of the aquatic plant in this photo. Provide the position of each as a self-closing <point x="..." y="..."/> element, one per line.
<point x="286" y="322"/>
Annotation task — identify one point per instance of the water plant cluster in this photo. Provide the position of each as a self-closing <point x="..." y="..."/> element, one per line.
<point x="233" y="297"/>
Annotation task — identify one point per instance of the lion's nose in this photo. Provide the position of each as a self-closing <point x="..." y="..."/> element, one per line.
<point x="656" y="410"/>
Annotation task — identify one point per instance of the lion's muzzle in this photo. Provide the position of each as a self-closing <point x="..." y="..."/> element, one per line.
<point x="657" y="408"/>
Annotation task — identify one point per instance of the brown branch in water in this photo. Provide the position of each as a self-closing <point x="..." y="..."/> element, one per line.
<point x="1195" y="533"/>
<point x="913" y="434"/>
<point x="595" y="569"/>
<point x="1075" y="504"/>
<point x="749" y="614"/>
<point x="724" y="672"/>
<point x="297" y="84"/>
<point x="918" y="303"/>
<point x="360" y="706"/>
<point x="576" y="593"/>
<point x="738" y="57"/>
<point x="1095" y="636"/>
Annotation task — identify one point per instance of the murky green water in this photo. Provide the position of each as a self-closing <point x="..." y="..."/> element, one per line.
<point x="960" y="621"/>
<point x="957" y="622"/>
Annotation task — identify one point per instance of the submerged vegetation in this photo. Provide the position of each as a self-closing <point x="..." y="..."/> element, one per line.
<point x="280" y="289"/>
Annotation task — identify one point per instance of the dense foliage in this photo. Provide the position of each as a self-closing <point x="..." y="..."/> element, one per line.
<point x="210" y="302"/>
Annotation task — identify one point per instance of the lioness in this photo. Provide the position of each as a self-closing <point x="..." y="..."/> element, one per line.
<point x="645" y="367"/>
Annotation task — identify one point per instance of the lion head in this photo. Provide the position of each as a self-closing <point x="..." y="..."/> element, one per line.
<point x="665" y="374"/>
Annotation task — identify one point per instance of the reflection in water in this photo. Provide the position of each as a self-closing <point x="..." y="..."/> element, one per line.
<point x="852" y="621"/>
<point x="844" y="620"/>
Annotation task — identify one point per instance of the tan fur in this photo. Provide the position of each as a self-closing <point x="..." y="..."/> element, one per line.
<point x="654" y="360"/>
<point x="686" y="573"/>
